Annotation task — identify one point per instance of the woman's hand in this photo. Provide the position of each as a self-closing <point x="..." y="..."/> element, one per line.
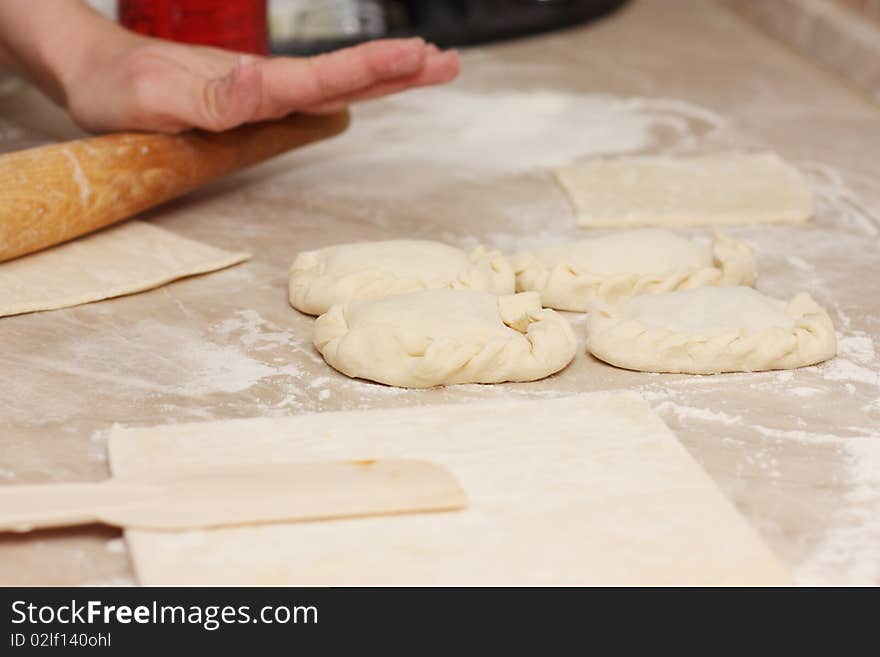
<point x="157" y="85"/>
<point x="112" y="79"/>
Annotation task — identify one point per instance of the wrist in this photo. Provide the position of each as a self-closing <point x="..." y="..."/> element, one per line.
<point x="54" y="44"/>
<point x="98" y="41"/>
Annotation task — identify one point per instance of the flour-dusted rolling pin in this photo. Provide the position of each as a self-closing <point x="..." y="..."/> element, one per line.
<point x="54" y="193"/>
<point x="237" y="495"/>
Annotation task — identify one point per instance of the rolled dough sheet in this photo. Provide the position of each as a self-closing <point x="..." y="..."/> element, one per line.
<point x="731" y="188"/>
<point x="590" y="489"/>
<point x="124" y="259"/>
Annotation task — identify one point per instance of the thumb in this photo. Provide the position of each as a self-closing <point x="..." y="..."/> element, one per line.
<point x="231" y="100"/>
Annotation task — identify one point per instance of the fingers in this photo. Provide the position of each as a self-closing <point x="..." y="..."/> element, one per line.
<point x="439" y="67"/>
<point x="173" y="89"/>
<point x="291" y="84"/>
<point x="233" y="99"/>
<point x="158" y="93"/>
<point x="213" y="104"/>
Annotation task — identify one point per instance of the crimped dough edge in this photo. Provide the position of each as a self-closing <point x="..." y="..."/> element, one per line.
<point x="564" y="287"/>
<point x="543" y="344"/>
<point x="629" y="344"/>
<point x="313" y="291"/>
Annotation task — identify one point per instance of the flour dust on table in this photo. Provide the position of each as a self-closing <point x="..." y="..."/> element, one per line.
<point x="444" y="137"/>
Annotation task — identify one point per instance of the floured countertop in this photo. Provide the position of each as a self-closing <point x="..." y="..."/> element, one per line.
<point x="798" y="452"/>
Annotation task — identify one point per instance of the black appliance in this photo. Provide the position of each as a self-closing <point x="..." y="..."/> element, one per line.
<point x="304" y="27"/>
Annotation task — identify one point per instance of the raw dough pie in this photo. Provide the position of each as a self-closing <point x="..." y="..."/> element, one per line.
<point x="711" y="330"/>
<point x="372" y="270"/>
<point x="436" y="337"/>
<point x="615" y="267"/>
<point x="723" y="188"/>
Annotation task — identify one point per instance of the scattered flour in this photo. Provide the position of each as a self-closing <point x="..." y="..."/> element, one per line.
<point x="799" y="263"/>
<point x="842" y="369"/>
<point x="79" y="176"/>
<point x="204" y="367"/>
<point x="459" y="134"/>
<point x="797" y="435"/>
<point x="836" y="201"/>
<point x="803" y="391"/>
<point x="507" y="141"/>
<point x="857" y="345"/>
<point x="850" y="551"/>
<point x="683" y="412"/>
<point x="253" y="331"/>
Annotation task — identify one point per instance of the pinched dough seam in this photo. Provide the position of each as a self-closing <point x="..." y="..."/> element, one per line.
<point x="632" y="345"/>
<point x="311" y="287"/>
<point x="530" y="355"/>
<point x="564" y="287"/>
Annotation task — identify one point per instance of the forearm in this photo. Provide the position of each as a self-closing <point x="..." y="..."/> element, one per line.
<point x="51" y="41"/>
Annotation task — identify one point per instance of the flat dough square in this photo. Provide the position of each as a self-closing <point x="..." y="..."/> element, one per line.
<point x="731" y="188"/>
<point x="124" y="259"/>
<point x="587" y="489"/>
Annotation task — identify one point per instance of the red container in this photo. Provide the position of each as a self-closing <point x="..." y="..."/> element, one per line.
<point x="232" y="24"/>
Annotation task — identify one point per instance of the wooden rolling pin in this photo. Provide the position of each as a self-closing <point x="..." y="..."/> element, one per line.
<point x="54" y="193"/>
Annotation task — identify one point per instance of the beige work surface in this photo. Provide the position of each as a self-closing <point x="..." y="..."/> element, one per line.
<point x="798" y="453"/>
<point x="586" y="489"/>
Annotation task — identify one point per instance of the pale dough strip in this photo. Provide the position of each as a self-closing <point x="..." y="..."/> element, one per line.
<point x="132" y="257"/>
